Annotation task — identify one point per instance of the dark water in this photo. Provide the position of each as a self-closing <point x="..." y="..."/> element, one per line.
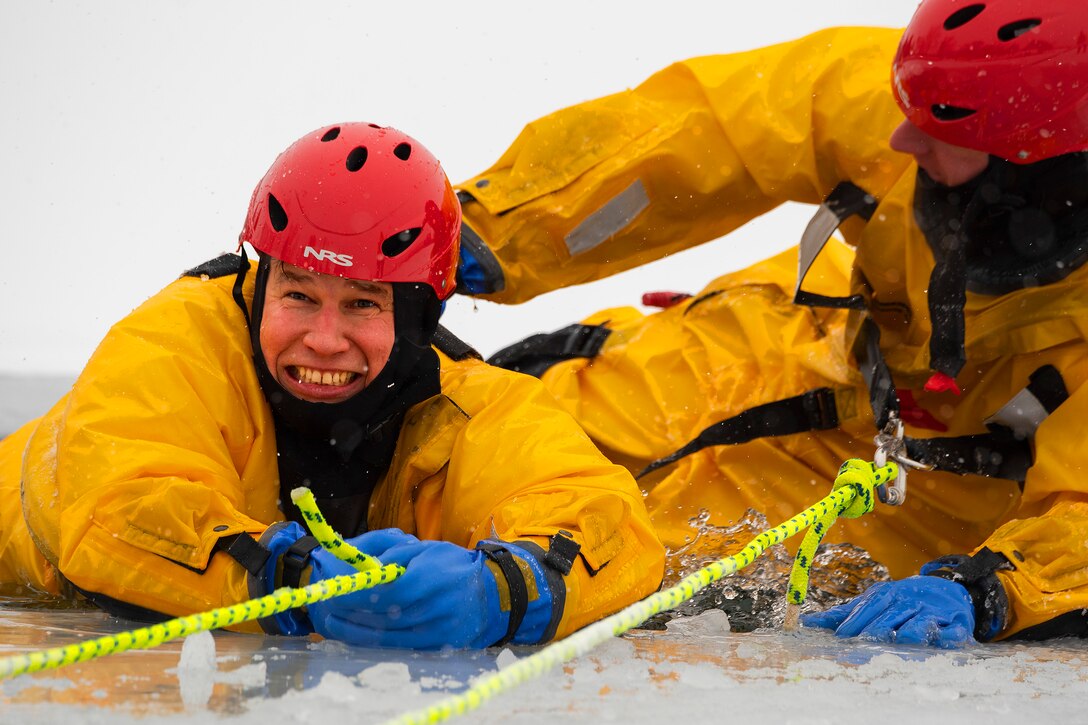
<point x="755" y="597"/>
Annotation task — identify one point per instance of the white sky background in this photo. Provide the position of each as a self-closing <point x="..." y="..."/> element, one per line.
<point x="134" y="131"/>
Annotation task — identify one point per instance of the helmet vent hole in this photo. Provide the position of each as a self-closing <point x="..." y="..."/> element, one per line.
<point x="331" y="134"/>
<point x="943" y="112"/>
<point x="276" y="214"/>
<point x="1014" y="30"/>
<point x="403" y="151"/>
<point x="963" y="16"/>
<point x="356" y="158"/>
<point x="397" y="243"/>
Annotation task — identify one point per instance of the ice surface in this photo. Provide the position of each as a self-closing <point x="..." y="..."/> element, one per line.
<point x="696" y="670"/>
<point x="196" y="669"/>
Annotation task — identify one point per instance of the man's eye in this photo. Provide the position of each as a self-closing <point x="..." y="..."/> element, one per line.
<point x="296" y="296"/>
<point x="364" y="304"/>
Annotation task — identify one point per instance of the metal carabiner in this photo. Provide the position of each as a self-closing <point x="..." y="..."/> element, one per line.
<point x="891" y="445"/>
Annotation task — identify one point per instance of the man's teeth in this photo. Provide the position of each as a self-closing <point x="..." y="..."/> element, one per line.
<point x="318" y="377"/>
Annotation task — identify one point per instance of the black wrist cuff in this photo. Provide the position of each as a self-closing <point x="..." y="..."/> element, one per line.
<point x="977" y="575"/>
<point x="515" y="581"/>
<point x="295" y="560"/>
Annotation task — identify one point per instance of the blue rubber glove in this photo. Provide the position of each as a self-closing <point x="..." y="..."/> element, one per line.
<point x="916" y="610"/>
<point x="447" y="597"/>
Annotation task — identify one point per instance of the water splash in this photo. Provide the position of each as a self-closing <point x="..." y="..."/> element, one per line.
<point x="755" y="597"/>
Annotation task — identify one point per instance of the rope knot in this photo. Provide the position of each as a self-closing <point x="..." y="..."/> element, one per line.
<point x="863" y="477"/>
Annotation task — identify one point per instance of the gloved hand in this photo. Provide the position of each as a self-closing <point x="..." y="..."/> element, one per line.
<point x="978" y="574"/>
<point x="448" y="596"/>
<point x="916" y="610"/>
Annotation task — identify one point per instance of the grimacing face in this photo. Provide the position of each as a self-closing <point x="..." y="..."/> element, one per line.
<point x="946" y="164"/>
<point x="325" y="338"/>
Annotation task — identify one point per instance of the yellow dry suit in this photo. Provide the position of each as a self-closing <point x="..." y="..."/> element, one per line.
<point x="164" y="448"/>
<point x="781" y="392"/>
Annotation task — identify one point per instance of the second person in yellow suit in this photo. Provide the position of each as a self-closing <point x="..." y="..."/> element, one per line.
<point x="956" y="306"/>
<point x="160" y="485"/>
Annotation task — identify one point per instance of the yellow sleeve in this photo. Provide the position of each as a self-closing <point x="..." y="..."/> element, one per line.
<point x="522" y="469"/>
<point x="1051" y="571"/>
<point x="1046" y="543"/>
<point x="163" y="446"/>
<point x="694" y="152"/>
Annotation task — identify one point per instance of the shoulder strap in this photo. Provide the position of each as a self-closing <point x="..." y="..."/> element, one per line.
<point x="536" y="353"/>
<point x="844" y="201"/>
<point x="452" y="346"/>
<point x="814" y="410"/>
<point x="221" y="266"/>
<point x="1006" y="450"/>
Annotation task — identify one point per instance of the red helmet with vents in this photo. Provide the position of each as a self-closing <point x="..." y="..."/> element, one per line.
<point x="1008" y="77"/>
<point x="360" y="201"/>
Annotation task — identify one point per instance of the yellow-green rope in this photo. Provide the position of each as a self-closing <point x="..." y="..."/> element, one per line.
<point x="327" y="536"/>
<point x="851" y="489"/>
<point x="862" y="477"/>
<point x="371" y="574"/>
<point x="152" y="636"/>
<point x="852" y="496"/>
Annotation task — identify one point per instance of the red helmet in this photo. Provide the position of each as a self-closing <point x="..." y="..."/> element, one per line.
<point x="360" y="201"/>
<point x="1008" y="77"/>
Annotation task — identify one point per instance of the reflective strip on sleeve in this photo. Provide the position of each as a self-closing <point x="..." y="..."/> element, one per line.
<point x="609" y="220"/>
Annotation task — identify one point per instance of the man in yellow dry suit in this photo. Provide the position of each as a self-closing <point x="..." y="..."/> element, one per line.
<point x="957" y="309"/>
<point x="159" y="485"/>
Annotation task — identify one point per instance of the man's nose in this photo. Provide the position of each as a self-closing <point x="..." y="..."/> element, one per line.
<point x="909" y="139"/>
<point x="327" y="334"/>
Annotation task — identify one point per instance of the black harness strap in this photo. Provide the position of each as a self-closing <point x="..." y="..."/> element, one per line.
<point x="814" y="410"/>
<point x="1048" y="387"/>
<point x="221" y="266"/>
<point x="1030" y="407"/>
<point x="535" y="354"/>
<point x="878" y="378"/>
<point x="452" y="346"/>
<point x="997" y="454"/>
<point x="215" y="268"/>
<point x="844" y="201"/>
<point x="1004" y="452"/>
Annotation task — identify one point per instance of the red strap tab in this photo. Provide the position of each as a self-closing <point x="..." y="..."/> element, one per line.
<point x="940" y="383"/>
<point x="913" y="414"/>
<point x="663" y="299"/>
